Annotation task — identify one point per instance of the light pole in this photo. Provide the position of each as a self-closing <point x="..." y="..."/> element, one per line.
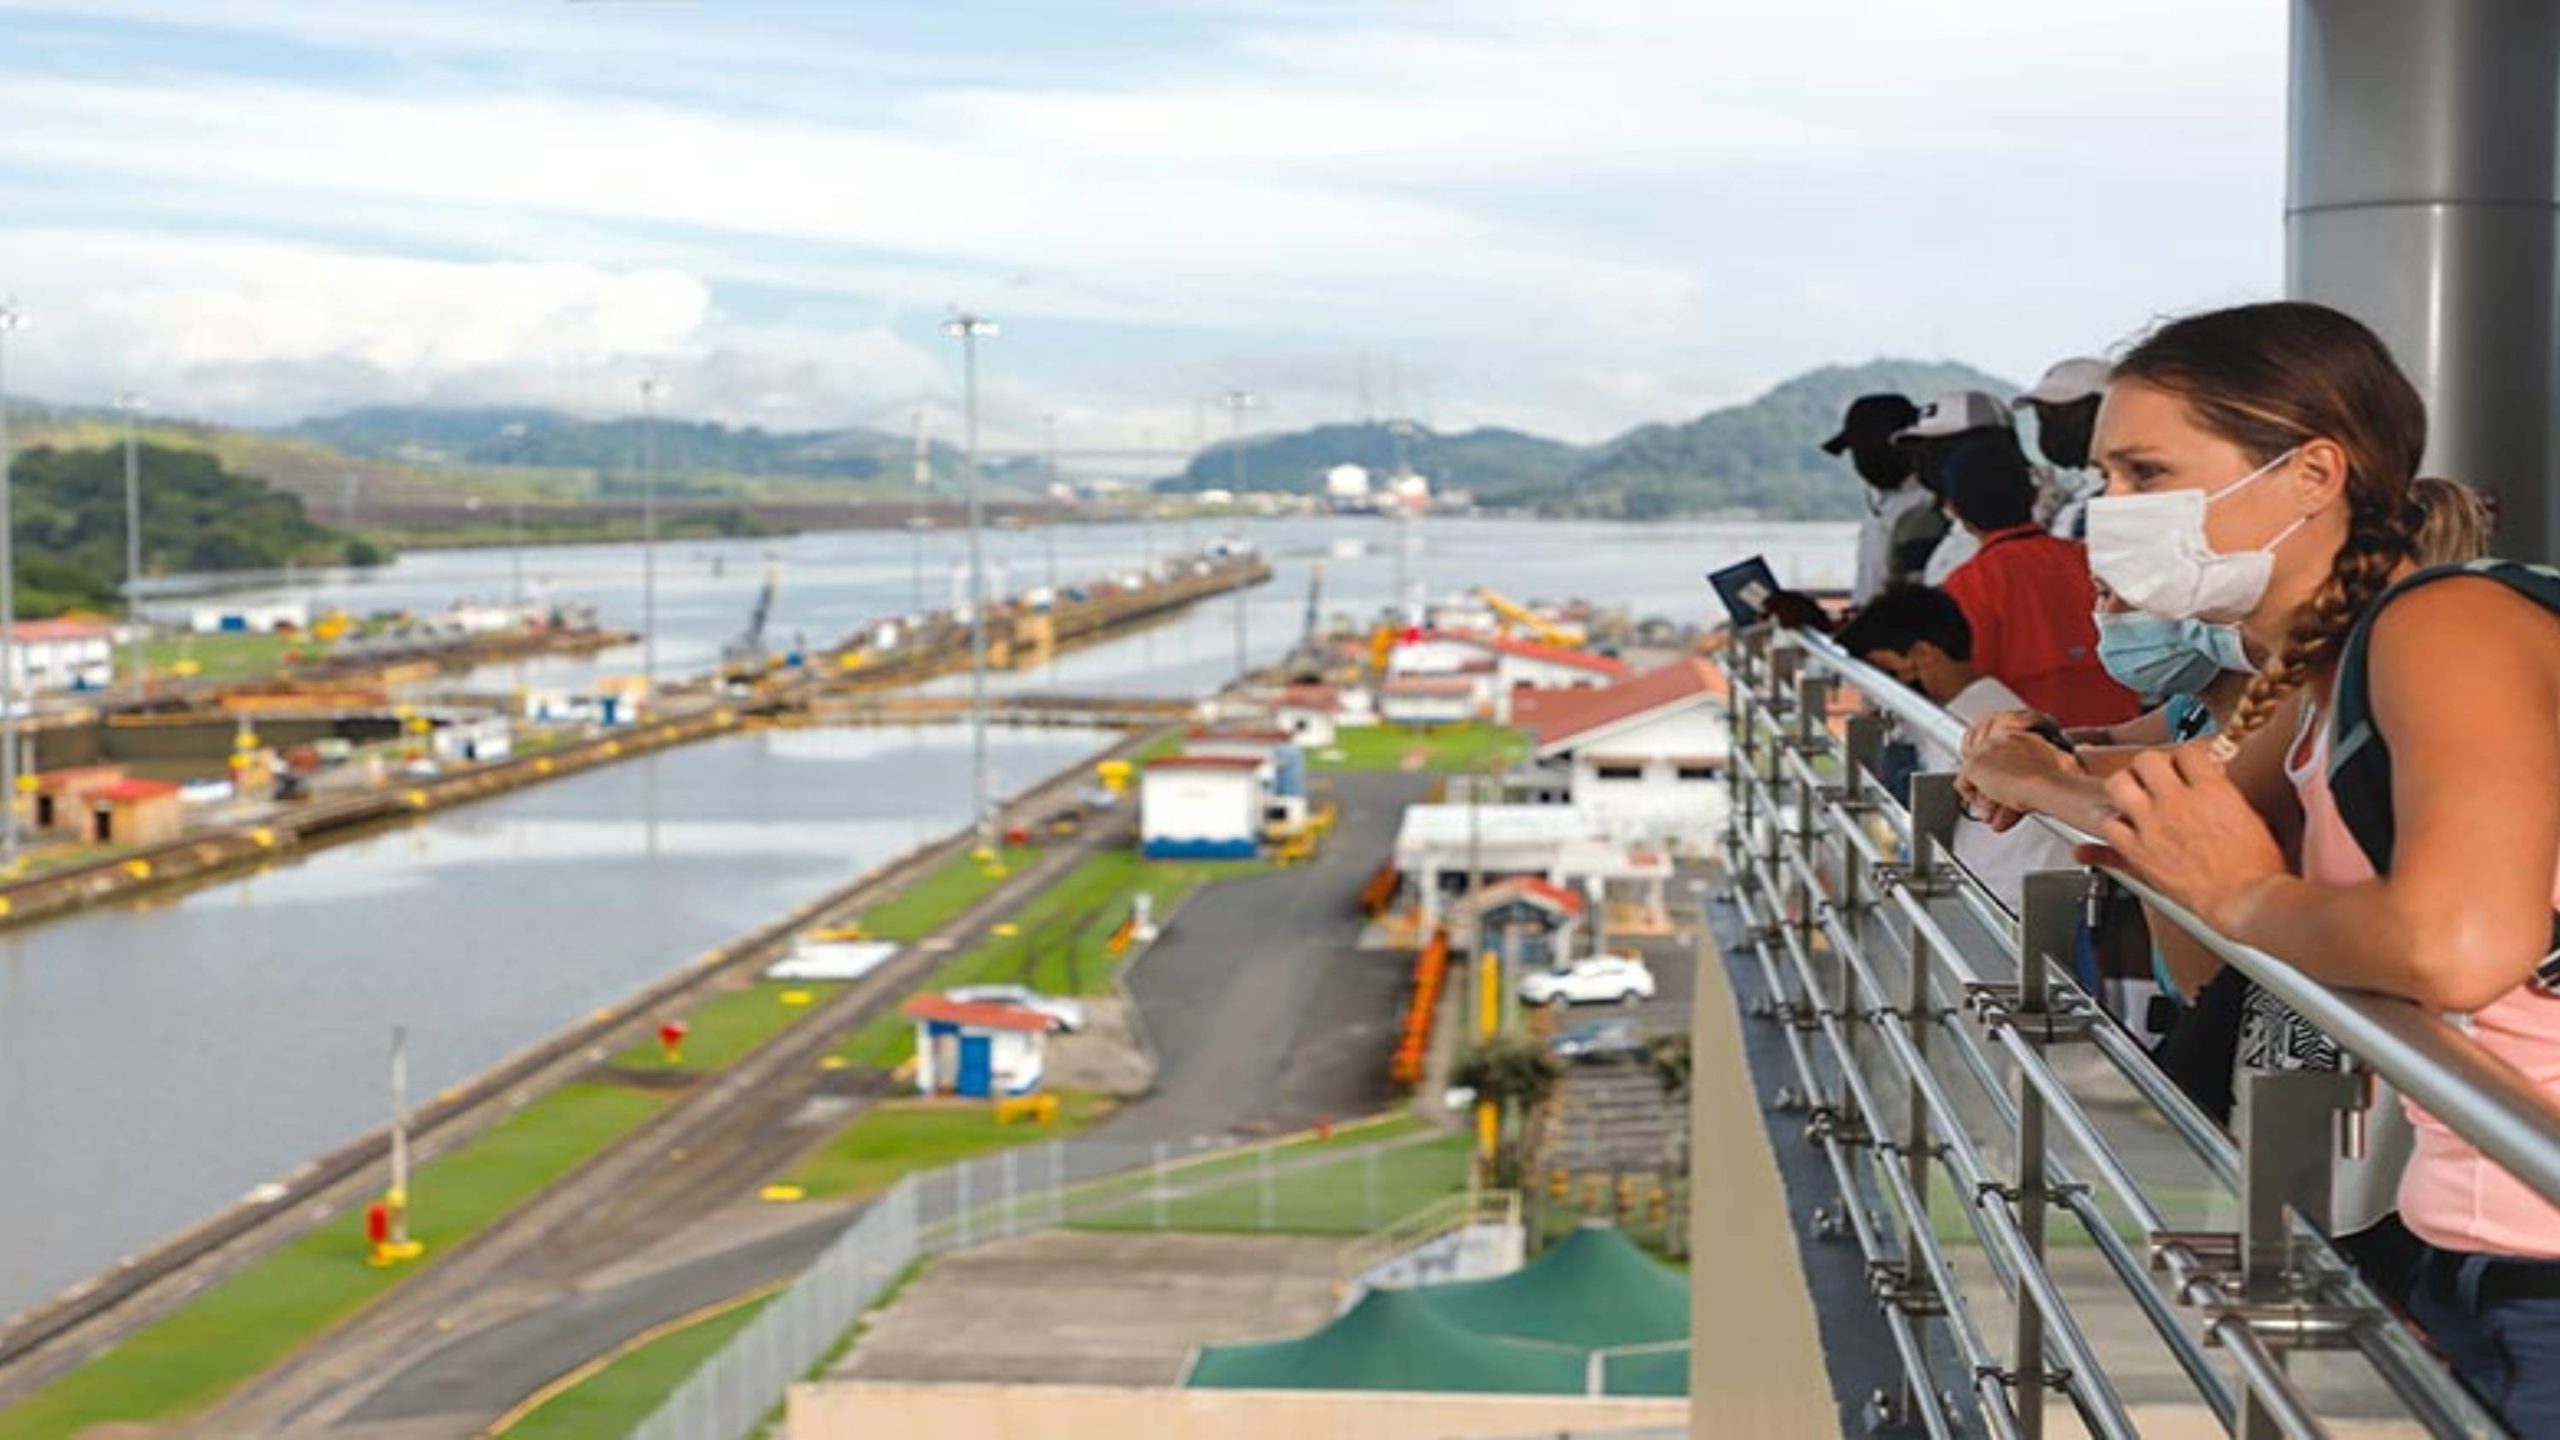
<point x="1402" y="431"/>
<point x="1238" y="402"/>
<point x="11" y="317"/>
<point x="1051" y="422"/>
<point x="649" y="539"/>
<point x="131" y="405"/>
<point x="968" y="329"/>
<point x="915" y="520"/>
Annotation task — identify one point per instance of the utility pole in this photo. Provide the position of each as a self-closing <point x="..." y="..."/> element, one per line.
<point x="968" y="329"/>
<point x="11" y="317"/>
<point x="1055" y="509"/>
<point x="1404" y="517"/>
<point x="1238" y="402"/>
<point x="131" y="405"/>
<point x="649" y="538"/>
<point x="399" y="1197"/>
<point x="915" y="521"/>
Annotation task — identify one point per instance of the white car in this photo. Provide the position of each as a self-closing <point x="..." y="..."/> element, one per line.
<point x="1591" y="980"/>
<point x="1063" y="1014"/>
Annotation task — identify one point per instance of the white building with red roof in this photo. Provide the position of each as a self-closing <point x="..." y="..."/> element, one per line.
<point x="1645" y="757"/>
<point x="62" y="654"/>
<point x="1509" y="665"/>
<point x="977" y="1048"/>
<point x="1203" y="807"/>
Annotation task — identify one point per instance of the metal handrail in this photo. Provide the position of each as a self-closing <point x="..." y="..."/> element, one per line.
<point x="2478" y="1096"/>
<point x="1836" y="882"/>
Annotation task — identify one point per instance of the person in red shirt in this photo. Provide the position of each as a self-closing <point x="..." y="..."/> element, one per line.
<point x="2026" y="593"/>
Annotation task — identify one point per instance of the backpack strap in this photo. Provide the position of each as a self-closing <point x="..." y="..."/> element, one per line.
<point x="2359" y="761"/>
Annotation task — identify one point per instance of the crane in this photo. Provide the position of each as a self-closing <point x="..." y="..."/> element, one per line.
<point x="748" y="649"/>
<point x="1515" y="613"/>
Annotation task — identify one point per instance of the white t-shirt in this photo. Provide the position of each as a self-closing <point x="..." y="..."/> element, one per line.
<point x="1875" y="536"/>
<point x="1959" y="546"/>
<point x="1999" y="861"/>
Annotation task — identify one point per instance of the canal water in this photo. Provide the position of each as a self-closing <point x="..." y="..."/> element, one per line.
<point x="833" y="583"/>
<point x="160" y="1058"/>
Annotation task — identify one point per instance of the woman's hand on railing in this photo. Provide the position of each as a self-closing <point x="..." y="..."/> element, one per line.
<point x="2012" y="774"/>
<point x="2182" y="827"/>
<point x="1998" y="726"/>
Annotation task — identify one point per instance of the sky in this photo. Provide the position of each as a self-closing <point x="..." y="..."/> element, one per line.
<point x="1566" y="216"/>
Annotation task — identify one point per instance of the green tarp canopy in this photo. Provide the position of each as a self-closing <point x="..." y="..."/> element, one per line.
<point x="1592" y="1290"/>
<point x="1391" y="1340"/>
<point x="1529" y="1332"/>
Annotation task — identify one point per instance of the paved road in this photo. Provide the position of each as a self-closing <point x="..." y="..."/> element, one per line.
<point x="1264" y="1016"/>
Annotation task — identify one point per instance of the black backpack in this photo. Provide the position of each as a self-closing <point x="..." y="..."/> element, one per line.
<point x="2359" y="762"/>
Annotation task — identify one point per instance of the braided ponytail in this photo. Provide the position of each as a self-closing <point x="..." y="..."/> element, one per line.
<point x="2376" y="547"/>
<point x="2269" y="378"/>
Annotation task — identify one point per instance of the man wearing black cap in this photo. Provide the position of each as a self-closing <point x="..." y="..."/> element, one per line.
<point x="1903" y="525"/>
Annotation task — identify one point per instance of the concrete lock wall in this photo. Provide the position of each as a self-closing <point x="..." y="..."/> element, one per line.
<point x="844" y="1410"/>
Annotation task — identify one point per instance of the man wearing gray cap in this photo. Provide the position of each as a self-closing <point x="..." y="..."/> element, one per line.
<point x="1944" y="424"/>
<point x="2065" y="403"/>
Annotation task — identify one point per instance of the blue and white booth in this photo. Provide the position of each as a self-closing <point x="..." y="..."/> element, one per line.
<point x="975" y="1049"/>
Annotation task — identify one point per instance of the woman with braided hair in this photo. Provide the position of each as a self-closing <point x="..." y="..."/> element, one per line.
<point x="2261" y="469"/>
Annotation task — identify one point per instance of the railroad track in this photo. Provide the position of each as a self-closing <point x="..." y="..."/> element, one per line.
<point x="57" y="1335"/>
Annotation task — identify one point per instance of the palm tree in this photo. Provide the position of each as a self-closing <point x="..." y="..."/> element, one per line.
<point x="1516" y="1075"/>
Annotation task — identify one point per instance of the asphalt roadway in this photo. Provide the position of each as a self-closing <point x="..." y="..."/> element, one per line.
<point x="1265" y="1015"/>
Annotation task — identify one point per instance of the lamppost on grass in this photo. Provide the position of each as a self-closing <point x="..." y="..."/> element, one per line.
<point x="969" y="329"/>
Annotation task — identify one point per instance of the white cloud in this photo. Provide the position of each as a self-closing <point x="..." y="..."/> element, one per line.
<point x="1575" y="215"/>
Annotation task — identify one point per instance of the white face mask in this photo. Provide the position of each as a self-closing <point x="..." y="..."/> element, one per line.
<point x="2151" y="551"/>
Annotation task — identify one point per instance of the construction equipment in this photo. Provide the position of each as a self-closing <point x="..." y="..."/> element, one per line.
<point x="747" y="651"/>
<point x="1515" y="613"/>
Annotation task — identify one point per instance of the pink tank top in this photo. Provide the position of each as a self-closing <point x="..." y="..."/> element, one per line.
<point x="2454" y="1197"/>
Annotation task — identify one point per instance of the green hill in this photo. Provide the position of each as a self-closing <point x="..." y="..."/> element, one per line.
<point x="68" y="521"/>
<point x="1760" y="457"/>
<point x="1763" y="457"/>
<point x="517" y="438"/>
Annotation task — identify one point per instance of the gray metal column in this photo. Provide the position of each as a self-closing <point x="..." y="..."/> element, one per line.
<point x="2420" y="200"/>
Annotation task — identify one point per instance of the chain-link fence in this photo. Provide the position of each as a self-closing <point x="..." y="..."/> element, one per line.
<point x="1348" y="1182"/>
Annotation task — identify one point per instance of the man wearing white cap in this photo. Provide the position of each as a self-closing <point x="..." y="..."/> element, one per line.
<point x="1944" y="424"/>
<point x="2065" y="403"/>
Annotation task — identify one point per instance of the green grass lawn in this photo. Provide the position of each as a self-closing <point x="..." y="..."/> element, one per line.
<point x="226" y="657"/>
<point x="250" y="1321"/>
<point x="1062" y="939"/>
<point x="930" y="903"/>
<point x="1444" y="747"/>
<point x="614" y="1400"/>
<point x="731" y="1023"/>
<point x="1327" y="1199"/>
<point x="898" y="1136"/>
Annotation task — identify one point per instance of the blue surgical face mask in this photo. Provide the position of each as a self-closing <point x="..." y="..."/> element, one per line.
<point x="2222" y="642"/>
<point x="2152" y="655"/>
